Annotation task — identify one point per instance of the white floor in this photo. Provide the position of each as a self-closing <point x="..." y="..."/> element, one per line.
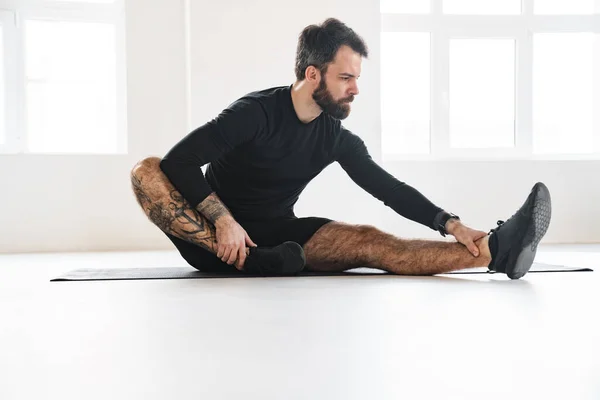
<point x="377" y="337"/>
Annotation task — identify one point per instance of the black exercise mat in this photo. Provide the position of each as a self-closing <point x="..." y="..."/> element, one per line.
<point x="94" y="274"/>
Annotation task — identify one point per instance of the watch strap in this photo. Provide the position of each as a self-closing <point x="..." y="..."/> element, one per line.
<point x="441" y="220"/>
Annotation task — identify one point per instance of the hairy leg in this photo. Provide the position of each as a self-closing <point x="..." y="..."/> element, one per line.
<point x="339" y="246"/>
<point x="166" y="207"/>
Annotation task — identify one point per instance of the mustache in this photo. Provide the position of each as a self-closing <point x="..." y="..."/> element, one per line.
<point x="348" y="99"/>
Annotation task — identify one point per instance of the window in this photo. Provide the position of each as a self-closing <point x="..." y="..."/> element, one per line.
<point x="482" y="94"/>
<point x="405" y="62"/>
<point x="484" y="79"/>
<point x="6" y="72"/>
<point x="2" y="92"/>
<point x="62" y="88"/>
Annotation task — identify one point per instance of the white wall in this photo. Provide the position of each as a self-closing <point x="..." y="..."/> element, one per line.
<point x="76" y="203"/>
<point x="73" y="203"/>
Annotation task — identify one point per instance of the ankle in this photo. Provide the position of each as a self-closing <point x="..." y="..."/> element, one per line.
<point x="484" y="248"/>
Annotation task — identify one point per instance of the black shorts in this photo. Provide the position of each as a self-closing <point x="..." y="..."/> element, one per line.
<point x="264" y="233"/>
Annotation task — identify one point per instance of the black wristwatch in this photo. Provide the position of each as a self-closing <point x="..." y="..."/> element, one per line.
<point x="441" y="224"/>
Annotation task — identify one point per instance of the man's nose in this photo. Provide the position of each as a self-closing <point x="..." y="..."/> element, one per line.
<point x="354" y="90"/>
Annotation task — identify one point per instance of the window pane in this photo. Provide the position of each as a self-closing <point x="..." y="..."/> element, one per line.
<point x="2" y="90"/>
<point x="71" y="87"/>
<point x="492" y="7"/>
<point x="404" y="6"/>
<point x="405" y="95"/>
<point x="563" y="92"/>
<point x="482" y="93"/>
<point x="564" y="7"/>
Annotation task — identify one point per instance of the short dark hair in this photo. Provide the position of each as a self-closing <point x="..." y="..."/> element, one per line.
<point x="318" y="45"/>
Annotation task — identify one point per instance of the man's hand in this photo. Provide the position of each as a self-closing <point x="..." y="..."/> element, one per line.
<point x="465" y="235"/>
<point x="232" y="241"/>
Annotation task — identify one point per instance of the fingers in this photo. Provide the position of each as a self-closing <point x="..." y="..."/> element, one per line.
<point x="249" y="241"/>
<point x="225" y="254"/>
<point x="232" y="256"/>
<point x="232" y="246"/>
<point x="220" y="250"/>
<point x="224" y="251"/>
<point x="241" y="258"/>
<point x="480" y="235"/>
<point x="473" y="249"/>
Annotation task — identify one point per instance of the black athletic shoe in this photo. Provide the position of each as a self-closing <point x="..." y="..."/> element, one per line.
<point x="513" y="243"/>
<point x="284" y="259"/>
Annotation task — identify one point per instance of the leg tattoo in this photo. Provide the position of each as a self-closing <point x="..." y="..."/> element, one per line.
<point x="167" y="208"/>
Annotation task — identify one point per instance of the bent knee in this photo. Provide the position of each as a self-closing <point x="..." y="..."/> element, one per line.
<point x="366" y="229"/>
<point x="149" y="165"/>
<point x="147" y="179"/>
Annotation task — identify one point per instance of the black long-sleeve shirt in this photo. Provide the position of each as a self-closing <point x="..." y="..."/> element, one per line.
<point x="261" y="157"/>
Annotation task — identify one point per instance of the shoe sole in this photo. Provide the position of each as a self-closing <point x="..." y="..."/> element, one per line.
<point x="540" y="221"/>
<point x="294" y="259"/>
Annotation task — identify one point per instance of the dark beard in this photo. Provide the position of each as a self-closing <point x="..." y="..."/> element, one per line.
<point x="337" y="109"/>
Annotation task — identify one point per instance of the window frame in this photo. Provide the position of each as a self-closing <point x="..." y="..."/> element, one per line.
<point x="17" y="12"/>
<point x="521" y="28"/>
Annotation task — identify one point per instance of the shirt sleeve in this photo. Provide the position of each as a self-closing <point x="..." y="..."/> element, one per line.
<point x="239" y="123"/>
<point x="355" y="159"/>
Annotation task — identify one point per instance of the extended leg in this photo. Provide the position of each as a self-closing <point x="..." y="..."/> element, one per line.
<point x="339" y="246"/>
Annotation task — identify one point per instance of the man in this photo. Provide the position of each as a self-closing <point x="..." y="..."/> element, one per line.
<point x="264" y="149"/>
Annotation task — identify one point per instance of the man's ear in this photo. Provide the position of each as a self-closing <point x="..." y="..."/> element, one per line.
<point x="312" y="75"/>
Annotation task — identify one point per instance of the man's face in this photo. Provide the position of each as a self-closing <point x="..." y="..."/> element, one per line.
<point x="338" y="86"/>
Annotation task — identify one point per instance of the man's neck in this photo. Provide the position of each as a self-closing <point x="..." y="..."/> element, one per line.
<point x="304" y="105"/>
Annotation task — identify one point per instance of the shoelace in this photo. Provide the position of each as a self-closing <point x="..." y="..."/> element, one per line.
<point x="499" y="223"/>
